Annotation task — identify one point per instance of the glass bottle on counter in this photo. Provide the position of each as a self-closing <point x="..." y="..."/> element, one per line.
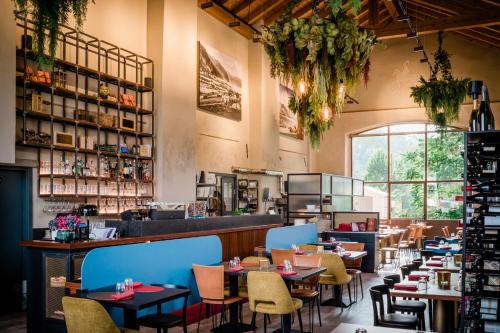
<point x="485" y="118"/>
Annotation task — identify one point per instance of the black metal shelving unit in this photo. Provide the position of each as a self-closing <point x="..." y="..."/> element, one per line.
<point x="480" y="310"/>
<point x="87" y="62"/>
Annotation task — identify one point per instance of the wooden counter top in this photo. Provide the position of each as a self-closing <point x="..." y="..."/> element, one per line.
<point x="90" y="244"/>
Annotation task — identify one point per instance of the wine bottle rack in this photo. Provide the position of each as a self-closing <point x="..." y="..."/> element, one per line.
<point x="72" y="87"/>
<point x="481" y="260"/>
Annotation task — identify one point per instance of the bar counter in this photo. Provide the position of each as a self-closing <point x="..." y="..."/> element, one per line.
<point x="239" y="236"/>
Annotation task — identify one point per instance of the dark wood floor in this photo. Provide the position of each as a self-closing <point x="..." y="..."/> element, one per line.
<point x="359" y="313"/>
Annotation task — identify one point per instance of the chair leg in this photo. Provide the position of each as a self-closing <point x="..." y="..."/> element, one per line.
<point x="268" y="318"/>
<point x="422" y="314"/>
<point x="361" y="284"/>
<point x="199" y="317"/>
<point x="300" y="321"/>
<point x="320" y="293"/>
<point x="319" y="311"/>
<point x="431" y="314"/>
<point x="349" y="290"/>
<point x="254" y="317"/>
<point x="311" y="315"/>
<point x="265" y="324"/>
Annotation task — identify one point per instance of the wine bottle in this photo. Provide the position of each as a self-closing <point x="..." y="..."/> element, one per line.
<point x="473" y="116"/>
<point x="484" y="187"/>
<point x="485" y="118"/>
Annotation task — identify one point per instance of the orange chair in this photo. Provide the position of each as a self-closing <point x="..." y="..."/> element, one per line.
<point x="419" y="236"/>
<point x="446" y="232"/>
<point x="393" y="249"/>
<point x="310" y="288"/>
<point x="279" y="256"/>
<point x="210" y="282"/>
<point x="353" y="267"/>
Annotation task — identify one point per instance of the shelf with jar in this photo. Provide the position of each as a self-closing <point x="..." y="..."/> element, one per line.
<point x="89" y="117"/>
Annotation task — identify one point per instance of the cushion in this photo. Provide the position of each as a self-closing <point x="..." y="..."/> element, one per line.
<point x="408" y="305"/>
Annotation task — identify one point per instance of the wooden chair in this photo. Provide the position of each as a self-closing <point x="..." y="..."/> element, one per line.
<point x="210" y="282"/>
<point x="280" y="255"/>
<point x="393" y="249"/>
<point x="353" y="267"/>
<point x="446" y="232"/>
<point x="309" y="292"/>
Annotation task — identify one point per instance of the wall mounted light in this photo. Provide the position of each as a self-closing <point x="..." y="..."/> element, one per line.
<point x="256" y="38"/>
<point x="424" y="60"/>
<point x="411" y="35"/>
<point x="419" y="48"/>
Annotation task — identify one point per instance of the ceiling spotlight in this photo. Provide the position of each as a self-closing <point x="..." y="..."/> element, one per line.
<point x="424" y="60"/>
<point x="419" y="48"/>
<point x="234" y="24"/>
<point x="411" y="35"/>
<point x="206" y="5"/>
<point x="403" y="18"/>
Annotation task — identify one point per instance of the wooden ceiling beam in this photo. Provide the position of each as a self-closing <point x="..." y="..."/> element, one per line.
<point x="442" y="6"/>
<point x="391" y="7"/>
<point x="450" y="23"/>
<point x="265" y="9"/>
<point x="242" y="8"/>
<point x="483" y="39"/>
<point x="373" y="12"/>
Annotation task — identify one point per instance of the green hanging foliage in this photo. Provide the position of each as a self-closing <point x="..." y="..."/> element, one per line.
<point x="48" y="15"/>
<point x="322" y="59"/>
<point x="441" y="97"/>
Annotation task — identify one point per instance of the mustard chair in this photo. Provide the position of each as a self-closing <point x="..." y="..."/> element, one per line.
<point x="210" y="282"/>
<point x="308" y="247"/>
<point x="84" y="315"/>
<point x="280" y="255"/>
<point x="252" y="261"/>
<point x="268" y="294"/>
<point x="335" y="275"/>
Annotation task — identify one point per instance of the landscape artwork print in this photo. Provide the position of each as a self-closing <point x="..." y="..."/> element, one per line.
<point x="289" y="124"/>
<point x="219" y="86"/>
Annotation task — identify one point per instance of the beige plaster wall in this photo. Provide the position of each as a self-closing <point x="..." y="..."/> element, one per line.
<point x="385" y="100"/>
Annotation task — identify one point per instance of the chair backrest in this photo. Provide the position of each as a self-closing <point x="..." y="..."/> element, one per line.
<point x="269" y="288"/>
<point x="411" y="234"/>
<point x="307" y="261"/>
<point x="417" y="263"/>
<point x="406" y="270"/>
<point x="280" y="255"/>
<point x="401" y="237"/>
<point x="377" y="295"/>
<point x="446" y="232"/>
<point x="84" y="315"/>
<point x="210" y="281"/>
<point x="392" y="279"/>
<point x="335" y="266"/>
<point x="419" y="231"/>
<point x="353" y="247"/>
<point x="308" y="247"/>
<point x="253" y="260"/>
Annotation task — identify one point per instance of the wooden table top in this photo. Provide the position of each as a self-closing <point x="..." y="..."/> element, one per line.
<point x="355" y="255"/>
<point x="302" y="272"/>
<point x="432" y="292"/>
<point x="351" y="328"/>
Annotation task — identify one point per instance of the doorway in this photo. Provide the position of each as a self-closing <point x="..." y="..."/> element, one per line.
<point x="15" y="226"/>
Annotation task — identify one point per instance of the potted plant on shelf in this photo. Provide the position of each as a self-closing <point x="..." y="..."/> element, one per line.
<point x="63" y="227"/>
<point x="441" y="97"/>
<point x="322" y="58"/>
<point x="48" y="16"/>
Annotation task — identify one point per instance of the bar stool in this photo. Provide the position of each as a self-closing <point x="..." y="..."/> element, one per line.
<point x="394" y="320"/>
<point x="405" y="305"/>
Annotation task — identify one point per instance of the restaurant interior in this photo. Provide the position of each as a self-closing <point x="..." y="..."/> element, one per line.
<point x="250" y="166"/>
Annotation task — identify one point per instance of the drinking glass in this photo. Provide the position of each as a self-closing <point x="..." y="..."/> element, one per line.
<point x="129" y="284"/>
<point x="120" y="287"/>
<point x="263" y="265"/>
<point x="237" y="261"/>
<point x="232" y="263"/>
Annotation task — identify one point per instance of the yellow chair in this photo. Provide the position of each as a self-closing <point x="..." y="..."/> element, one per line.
<point x="268" y="294"/>
<point x="242" y="280"/>
<point x="308" y="247"/>
<point x="335" y="275"/>
<point x="84" y="315"/>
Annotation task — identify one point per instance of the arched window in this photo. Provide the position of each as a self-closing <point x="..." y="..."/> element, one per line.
<point x="410" y="170"/>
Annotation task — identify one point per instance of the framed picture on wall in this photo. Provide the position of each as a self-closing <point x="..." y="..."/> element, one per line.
<point x="219" y="83"/>
<point x="289" y="124"/>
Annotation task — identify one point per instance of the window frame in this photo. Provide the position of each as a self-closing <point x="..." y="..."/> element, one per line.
<point x="389" y="182"/>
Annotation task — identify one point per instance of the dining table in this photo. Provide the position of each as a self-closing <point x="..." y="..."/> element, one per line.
<point x="141" y="300"/>
<point x="444" y="248"/>
<point x="234" y="325"/>
<point x="445" y="302"/>
<point x="434" y="265"/>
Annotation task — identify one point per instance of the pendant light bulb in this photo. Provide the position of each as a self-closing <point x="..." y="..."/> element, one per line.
<point x="302" y="87"/>
<point x="327" y="113"/>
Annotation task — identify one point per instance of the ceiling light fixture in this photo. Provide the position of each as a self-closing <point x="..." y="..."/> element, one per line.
<point x="424" y="60"/>
<point x="412" y="34"/>
<point x="403" y="18"/>
<point x="234" y="24"/>
<point x="206" y="5"/>
<point x="419" y="48"/>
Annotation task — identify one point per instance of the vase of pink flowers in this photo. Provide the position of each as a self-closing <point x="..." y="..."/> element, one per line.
<point x="63" y="227"/>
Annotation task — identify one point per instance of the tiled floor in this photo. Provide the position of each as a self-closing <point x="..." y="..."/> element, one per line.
<point x="360" y="313"/>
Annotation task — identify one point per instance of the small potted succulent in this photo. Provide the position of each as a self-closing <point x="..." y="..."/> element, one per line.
<point x="63" y="227"/>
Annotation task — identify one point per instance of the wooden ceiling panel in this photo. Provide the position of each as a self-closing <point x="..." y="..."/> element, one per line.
<point x="470" y="19"/>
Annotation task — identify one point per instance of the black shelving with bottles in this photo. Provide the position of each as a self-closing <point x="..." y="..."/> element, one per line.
<point x="83" y="64"/>
<point x="480" y="310"/>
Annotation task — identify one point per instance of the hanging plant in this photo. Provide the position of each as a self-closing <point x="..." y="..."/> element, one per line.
<point x="48" y="15"/>
<point x="322" y="59"/>
<point x="441" y="97"/>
